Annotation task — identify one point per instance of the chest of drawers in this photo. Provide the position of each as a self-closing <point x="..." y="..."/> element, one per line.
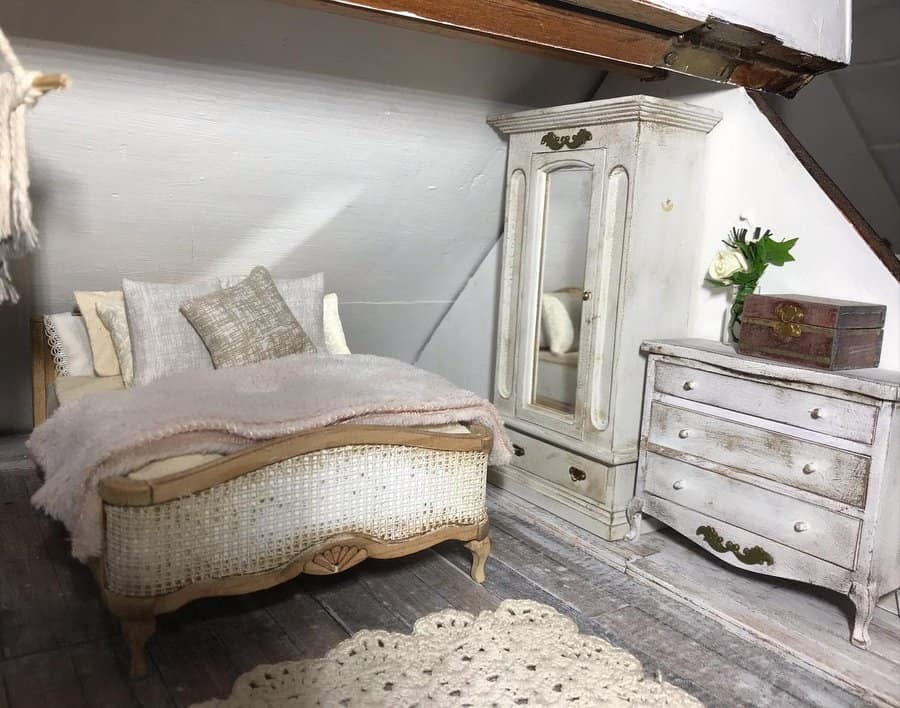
<point x="775" y="469"/>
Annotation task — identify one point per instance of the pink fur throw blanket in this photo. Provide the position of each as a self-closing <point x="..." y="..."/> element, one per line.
<point x="223" y="411"/>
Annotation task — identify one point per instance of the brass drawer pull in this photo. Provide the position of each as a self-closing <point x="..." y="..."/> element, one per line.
<point x="684" y="433"/>
<point x="678" y="484"/>
<point x="689" y="385"/>
<point x="518" y="450"/>
<point x="577" y="475"/>
<point x="749" y="556"/>
<point x="586" y="295"/>
<point x="817" y="413"/>
<point x="801" y="526"/>
<point x="809" y="468"/>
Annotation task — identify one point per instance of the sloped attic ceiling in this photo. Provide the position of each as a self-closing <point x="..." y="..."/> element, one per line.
<point x="721" y="40"/>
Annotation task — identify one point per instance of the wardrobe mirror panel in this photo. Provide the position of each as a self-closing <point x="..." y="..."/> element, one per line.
<point x="566" y="211"/>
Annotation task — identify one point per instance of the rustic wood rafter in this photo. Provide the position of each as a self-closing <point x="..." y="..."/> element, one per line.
<point x="617" y="35"/>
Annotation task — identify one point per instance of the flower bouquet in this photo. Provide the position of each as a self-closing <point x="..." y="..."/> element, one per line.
<point x="742" y="263"/>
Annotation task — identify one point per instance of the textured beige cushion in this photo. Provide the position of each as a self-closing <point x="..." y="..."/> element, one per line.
<point x="105" y="361"/>
<point x="303" y="297"/>
<point x="247" y="323"/>
<point x="114" y="319"/>
<point x="71" y="388"/>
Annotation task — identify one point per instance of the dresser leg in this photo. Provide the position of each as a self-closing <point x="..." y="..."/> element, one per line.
<point x="633" y="514"/>
<point x="864" y="597"/>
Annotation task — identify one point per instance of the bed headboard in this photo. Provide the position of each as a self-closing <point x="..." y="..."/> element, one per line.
<point x="43" y="370"/>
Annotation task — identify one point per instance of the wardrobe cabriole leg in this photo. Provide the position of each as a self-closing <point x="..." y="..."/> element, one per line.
<point x="137" y="631"/>
<point x="481" y="549"/>
<point x="864" y="597"/>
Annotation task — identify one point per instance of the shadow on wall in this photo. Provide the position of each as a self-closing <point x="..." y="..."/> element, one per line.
<point x="203" y="136"/>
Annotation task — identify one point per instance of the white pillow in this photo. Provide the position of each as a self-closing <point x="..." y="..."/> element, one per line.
<point x="163" y="342"/>
<point x="335" y="341"/>
<point x="561" y="320"/>
<point x="69" y="343"/>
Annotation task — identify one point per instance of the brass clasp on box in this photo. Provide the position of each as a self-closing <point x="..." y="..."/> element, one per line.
<point x="789" y="318"/>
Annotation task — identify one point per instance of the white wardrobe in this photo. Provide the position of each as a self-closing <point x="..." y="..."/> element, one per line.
<point x="604" y="209"/>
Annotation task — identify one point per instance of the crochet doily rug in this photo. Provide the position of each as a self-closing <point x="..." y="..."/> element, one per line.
<point x="524" y="653"/>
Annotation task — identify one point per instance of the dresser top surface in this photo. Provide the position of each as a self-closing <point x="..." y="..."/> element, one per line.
<point x="883" y="384"/>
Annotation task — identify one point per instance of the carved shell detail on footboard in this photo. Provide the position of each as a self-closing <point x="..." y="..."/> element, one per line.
<point x="335" y="560"/>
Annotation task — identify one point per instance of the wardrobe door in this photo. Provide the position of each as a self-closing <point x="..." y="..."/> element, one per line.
<point x="555" y="310"/>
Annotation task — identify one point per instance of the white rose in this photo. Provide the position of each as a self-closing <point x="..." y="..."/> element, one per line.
<point x="726" y="263"/>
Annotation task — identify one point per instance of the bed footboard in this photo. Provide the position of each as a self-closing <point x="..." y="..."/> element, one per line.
<point x="317" y="503"/>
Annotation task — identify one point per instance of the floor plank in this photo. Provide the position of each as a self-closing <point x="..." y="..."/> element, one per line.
<point x="311" y="629"/>
<point x="59" y="646"/>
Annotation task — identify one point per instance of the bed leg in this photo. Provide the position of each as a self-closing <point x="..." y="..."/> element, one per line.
<point x="481" y="549"/>
<point x="137" y="631"/>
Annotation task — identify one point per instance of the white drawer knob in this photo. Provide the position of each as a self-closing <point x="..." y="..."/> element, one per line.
<point x="818" y="413"/>
<point x="809" y="468"/>
<point x="684" y="433"/>
<point x="801" y="526"/>
<point x="678" y="484"/>
<point x="690" y="385"/>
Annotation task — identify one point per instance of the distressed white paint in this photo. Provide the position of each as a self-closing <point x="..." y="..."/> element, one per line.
<point x="707" y="473"/>
<point x="642" y="213"/>
<point x="818" y="27"/>
<point x="205" y="136"/>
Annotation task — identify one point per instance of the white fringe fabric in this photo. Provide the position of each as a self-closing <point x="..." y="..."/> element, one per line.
<point x="18" y="234"/>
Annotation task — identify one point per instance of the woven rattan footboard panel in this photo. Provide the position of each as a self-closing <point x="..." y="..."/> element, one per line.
<point x="264" y="519"/>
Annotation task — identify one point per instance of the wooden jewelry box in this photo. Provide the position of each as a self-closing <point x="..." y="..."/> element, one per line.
<point x="813" y="331"/>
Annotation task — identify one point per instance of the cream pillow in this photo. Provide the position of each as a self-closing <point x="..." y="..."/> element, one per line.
<point x="114" y="319"/>
<point x="104" y="353"/>
<point x="335" y="341"/>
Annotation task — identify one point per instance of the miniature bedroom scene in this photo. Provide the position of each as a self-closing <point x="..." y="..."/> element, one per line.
<point x="412" y="353"/>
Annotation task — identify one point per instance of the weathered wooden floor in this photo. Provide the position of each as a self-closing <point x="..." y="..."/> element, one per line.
<point x="59" y="647"/>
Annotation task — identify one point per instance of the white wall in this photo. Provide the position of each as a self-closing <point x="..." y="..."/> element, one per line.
<point x="819" y="27"/>
<point x="752" y="172"/>
<point x="859" y="144"/>
<point x="206" y="136"/>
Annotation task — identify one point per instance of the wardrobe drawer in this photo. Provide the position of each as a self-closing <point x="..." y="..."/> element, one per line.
<point x="819" y="469"/>
<point x="799" y="525"/>
<point x="567" y="469"/>
<point x="833" y="416"/>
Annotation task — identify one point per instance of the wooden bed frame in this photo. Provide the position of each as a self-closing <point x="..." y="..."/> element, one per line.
<point x="329" y="555"/>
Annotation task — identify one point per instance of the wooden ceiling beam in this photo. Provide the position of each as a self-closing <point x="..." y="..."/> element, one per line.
<point x="619" y="35"/>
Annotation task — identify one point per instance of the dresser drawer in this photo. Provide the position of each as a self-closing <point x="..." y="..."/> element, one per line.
<point x="574" y="472"/>
<point x="799" y="525"/>
<point x="832" y="416"/>
<point x="823" y="470"/>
